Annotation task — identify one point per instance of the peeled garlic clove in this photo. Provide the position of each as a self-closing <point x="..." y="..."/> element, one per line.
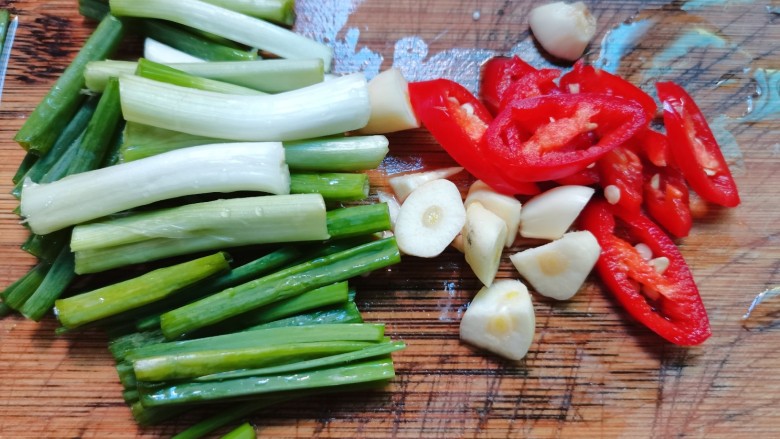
<point x="559" y="268"/>
<point x="550" y="214"/>
<point x="563" y="29"/>
<point x="505" y="206"/>
<point x="429" y="219"/>
<point x="483" y="240"/>
<point x="500" y="319"/>
<point x="391" y="109"/>
<point x="404" y="184"/>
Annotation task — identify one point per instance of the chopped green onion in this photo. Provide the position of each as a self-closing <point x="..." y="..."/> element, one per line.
<point x="160" y="72"/>
<point x="322" y="109"/>
<point x="27" y="163"/>
<point x="281" y="285"/>
<point x="332" y="186"/>
<point x="153" y="286"/>
<point x="336" y="154"/>
<point x="50" y="117"/>
<point x="349" y="222"/>
<point x="190" y="392"/>
<point x="236" y="412"/>
<point x="207" y="168"/>
<point x="94" y="9"/>
<point x="347" y="313"/>
<point x="193" y="44"/>
<point x="268" y="75"/>
<point x="232" y="25"/>
<point x="47" y="247"/>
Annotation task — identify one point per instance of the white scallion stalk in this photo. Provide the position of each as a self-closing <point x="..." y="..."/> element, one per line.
<point x="500" y="319"/>
<point x="391" y="109"/>
<point x="429" y="219"/>
<point x="228" y="24"/>
<point x="484" y="236"/>
<point x="268" y="75"/>
<point x="403" y="185"/>
<point x="315" y="111"/>
<point x="550" y="214"/>
<point x="165" y="54"/>
<point x="97" y="73"/>
<point x="506" y="207"/>
<point x="201" y="169"/>
<point x="559" y="268"/>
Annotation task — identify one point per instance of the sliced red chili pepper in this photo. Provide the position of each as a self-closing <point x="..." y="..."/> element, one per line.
<point x="458" y="121"/>
<point x="667" y="303"/>
<point x="505" y="79"/>
<point x="541" y="138"/>
<point x="651" y="145"/>
<point x="694" y="148"/>
<point x="622" y="168"/>
<point x="588" y="79"/>
<point x="667" y="199"/>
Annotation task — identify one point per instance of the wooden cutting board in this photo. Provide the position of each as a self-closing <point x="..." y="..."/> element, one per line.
<point x="592" y="371"/>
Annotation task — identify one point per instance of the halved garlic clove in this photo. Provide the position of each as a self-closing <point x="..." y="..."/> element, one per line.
<point x="404" y="184"/>
<point x="429" y="219"/>
<point x="505" y="206"/>
<point x="559" y="268"/>
<point x="500" y="319"/>
<point x="563" y="29"/>
<point x="483" y="240"/>
<point x="550" y="214"/>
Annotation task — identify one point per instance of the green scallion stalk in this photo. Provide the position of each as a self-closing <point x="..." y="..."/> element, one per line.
<point x="130" y="396"/>
<point x="322" y="109"/>
<point x="332" y="186"/>
<point x="97" y="73"/>
<point x="5" y="309"/>
<point x="160" y="72"/>
<point x="371" y="351"/>
<point x="268" y="75"/>
<point x="61" y="167"/>
<point x="278" y="11"/>
<point x="243" y="431"/>
<point x="203" y="169"/>
<point x="369" y="332"/>
<point x="100" y="130"/>
<point x="191" y="392"/>
<point x="244" y="273"/>
<point x="145" y="416"/>
<point x="5" y="18"/>
<point x="24" y="167"/>
<point x="47" y="247"/>
<point x="337" y="293"/>
<point x="347" y="313"/>
<point x="54" y="284"/>
<point x="141" y="141"/>
<point x="196" y="364"/>
<point x="192" y="44"/>
<point x="232" y="25"/>
<point x="50" y="117"/>
<point x="64" y="142"/>
<point x="236" y="412"/>
<point x="336" y="154"/>
<point x="281" y="285"/>
<point x="93" y="9"/>
<point x="150" y="287"/>
<point x="16" y="294"/>
<point x="121" y="346"/>
<point x="349" y="222"/>
<point x="187" y="229"/>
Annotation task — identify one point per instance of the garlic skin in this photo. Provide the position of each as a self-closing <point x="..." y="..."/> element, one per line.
<point x="500" y="319"/>
<point x="563" y="29"/>
<point x="559" y="268"/>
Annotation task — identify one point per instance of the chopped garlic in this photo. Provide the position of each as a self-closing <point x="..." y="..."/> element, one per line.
<point x="563" y="29"/>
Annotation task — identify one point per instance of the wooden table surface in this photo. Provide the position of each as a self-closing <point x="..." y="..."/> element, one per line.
<point x="591" y="371"/>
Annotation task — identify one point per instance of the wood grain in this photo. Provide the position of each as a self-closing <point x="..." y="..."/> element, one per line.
<point x="592" y="372"/>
